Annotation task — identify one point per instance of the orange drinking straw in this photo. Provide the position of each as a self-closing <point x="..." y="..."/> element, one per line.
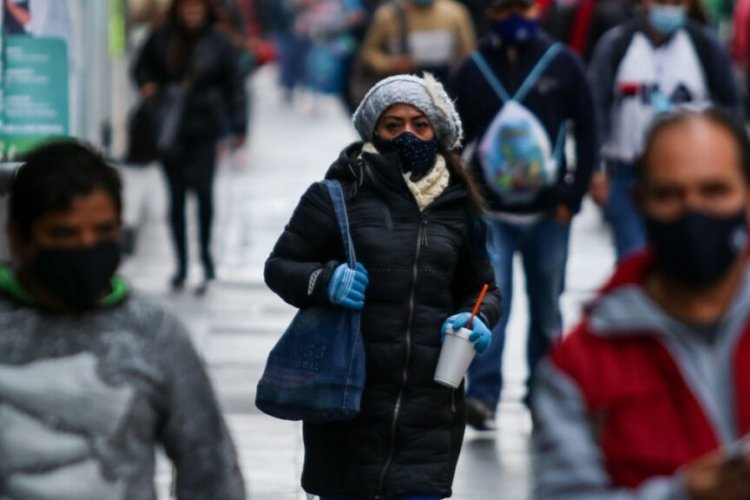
<point x="477" y="304"/>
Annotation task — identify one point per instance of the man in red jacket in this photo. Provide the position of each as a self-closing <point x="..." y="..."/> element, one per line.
<point x="649" y="397"/>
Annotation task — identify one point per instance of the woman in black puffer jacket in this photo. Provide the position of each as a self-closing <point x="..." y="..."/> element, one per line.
<point x="189" y="49"/>
<point x="416" y="226"/>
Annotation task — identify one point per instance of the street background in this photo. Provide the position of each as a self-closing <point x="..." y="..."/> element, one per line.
<point x="237" y="323"/>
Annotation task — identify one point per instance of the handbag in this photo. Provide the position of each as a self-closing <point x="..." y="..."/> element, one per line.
<point x="141" y="149"/>
<point x="316" y="371"/>
<point x="154" y="125"/>
<point x="168" y="110"/>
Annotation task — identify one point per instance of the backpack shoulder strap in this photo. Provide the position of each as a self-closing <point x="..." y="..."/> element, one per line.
<point x="562" y="135"/>
<point x="527" y="84"/>
<point x="622" y="44"/>
<point x="490" y="76"/>
<point x="703" y="51"/>
<point x="537" y="71"/>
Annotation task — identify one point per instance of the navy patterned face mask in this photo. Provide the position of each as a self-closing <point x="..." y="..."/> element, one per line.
<point x="417" y="156"/>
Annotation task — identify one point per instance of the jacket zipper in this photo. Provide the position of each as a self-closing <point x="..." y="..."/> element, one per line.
<point x="405" y="374"/>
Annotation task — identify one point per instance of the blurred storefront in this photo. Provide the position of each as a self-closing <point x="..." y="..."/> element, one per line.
<point x="64" y="73"/>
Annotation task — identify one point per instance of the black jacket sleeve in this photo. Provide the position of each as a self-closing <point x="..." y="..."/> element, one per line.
<point x="460" y="83"/>
<point x="601" y="75"/>
<point x="718" y="69"/>
<point x="143" y="69"/>
<point x="574" y="184"/>
<point x="308" y="245"/>
<point x="472" y="272"/>
<point x="234" y="93"/>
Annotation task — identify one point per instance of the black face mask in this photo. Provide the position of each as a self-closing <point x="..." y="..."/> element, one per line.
<point x="417" y="156"/>
<point x="78" y="277"/>
<point x="697" y="249"/>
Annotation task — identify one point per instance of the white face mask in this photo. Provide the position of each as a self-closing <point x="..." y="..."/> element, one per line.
<point x="666" y="19"/>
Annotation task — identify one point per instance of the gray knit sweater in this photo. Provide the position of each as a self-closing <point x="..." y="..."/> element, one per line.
<point x="84" y="401"/>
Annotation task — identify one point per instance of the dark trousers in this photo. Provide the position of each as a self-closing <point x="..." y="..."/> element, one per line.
<point x="193" y="172"/>
<point x="543" y="246"/>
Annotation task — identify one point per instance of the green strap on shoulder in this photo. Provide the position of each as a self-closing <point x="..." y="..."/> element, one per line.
<point x="10" y="285"/>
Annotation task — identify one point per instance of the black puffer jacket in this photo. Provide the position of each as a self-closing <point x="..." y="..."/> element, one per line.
<point x="217" y="101"/>
<point x="423" y="267"/>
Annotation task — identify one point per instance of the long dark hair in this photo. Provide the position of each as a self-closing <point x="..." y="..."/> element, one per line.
<point x="183" y="40"/>
<point x="479" y="229"/>
<point x="458" y="168"/>
<point x="212" y="12"/>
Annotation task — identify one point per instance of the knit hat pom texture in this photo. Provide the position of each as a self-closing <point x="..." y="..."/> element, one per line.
<point x="426" y="94"/>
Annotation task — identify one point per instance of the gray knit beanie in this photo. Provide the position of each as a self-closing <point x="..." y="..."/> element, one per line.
<point x="426" y="94"/>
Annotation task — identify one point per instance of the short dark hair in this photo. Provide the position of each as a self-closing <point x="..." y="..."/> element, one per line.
<point x="212" y="12"/>
<point x="715" y="115"/>
<point x="502" y="5"/>
<point x="52" y="176"/>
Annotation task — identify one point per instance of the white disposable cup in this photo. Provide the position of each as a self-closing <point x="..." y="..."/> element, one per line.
<point x="456" y="355"/>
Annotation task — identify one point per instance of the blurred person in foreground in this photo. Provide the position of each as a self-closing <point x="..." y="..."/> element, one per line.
<point x="641" y="69"/>
<point x="93" y="377"/>
<point x="415" y="222"/>
<point x="649" y="397"/>
<point x="533" y="190"/>
<point x="409" y="36"/>
<point x="190" y="51"/>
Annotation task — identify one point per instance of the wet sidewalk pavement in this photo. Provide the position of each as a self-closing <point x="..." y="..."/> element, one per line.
<point x="237" y="322"/>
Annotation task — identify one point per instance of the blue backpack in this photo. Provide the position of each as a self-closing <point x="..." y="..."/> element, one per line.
<point x="515" y="153"/>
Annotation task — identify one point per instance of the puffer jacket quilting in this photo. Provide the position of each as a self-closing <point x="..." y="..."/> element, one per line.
<point x="422" y="267"/>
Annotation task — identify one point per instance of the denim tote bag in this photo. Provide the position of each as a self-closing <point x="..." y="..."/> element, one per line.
<point x="316" y="371"/>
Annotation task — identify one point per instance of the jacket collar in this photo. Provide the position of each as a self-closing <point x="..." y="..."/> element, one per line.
<point x="11" y="287"/>
<point x="382" y="173"/>
<point x="623" y="308"/>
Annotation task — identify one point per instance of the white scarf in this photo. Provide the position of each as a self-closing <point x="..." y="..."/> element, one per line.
<point x="429" y="187"/>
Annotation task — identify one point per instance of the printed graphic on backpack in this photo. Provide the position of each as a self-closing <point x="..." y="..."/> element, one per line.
<point x="516" y="155"/>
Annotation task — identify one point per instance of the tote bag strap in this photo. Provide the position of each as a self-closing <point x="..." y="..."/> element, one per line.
<point x="339" y="208"/>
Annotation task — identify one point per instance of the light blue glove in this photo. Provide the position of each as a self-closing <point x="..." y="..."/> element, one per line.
<point x="480" y="334"/>
<point x="347" y="286"/>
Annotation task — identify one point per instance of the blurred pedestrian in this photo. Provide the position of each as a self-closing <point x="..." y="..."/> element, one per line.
<point x="719" y="13"/>
<point x="291" y="44"/>
<point x="415" y="222"/>
<point x="409" y="36"/>
<point x="648" y="397"/>
<point x="329" y="25"/>
<point x="477" y="10"/>
<point x="581" y="23"/>
<point x="188" y="53"/>
<point x="641" y="69"/>
<point x="517" y="96"/>
<point x="740" y="47"/>
<point x="93" y="377"/>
